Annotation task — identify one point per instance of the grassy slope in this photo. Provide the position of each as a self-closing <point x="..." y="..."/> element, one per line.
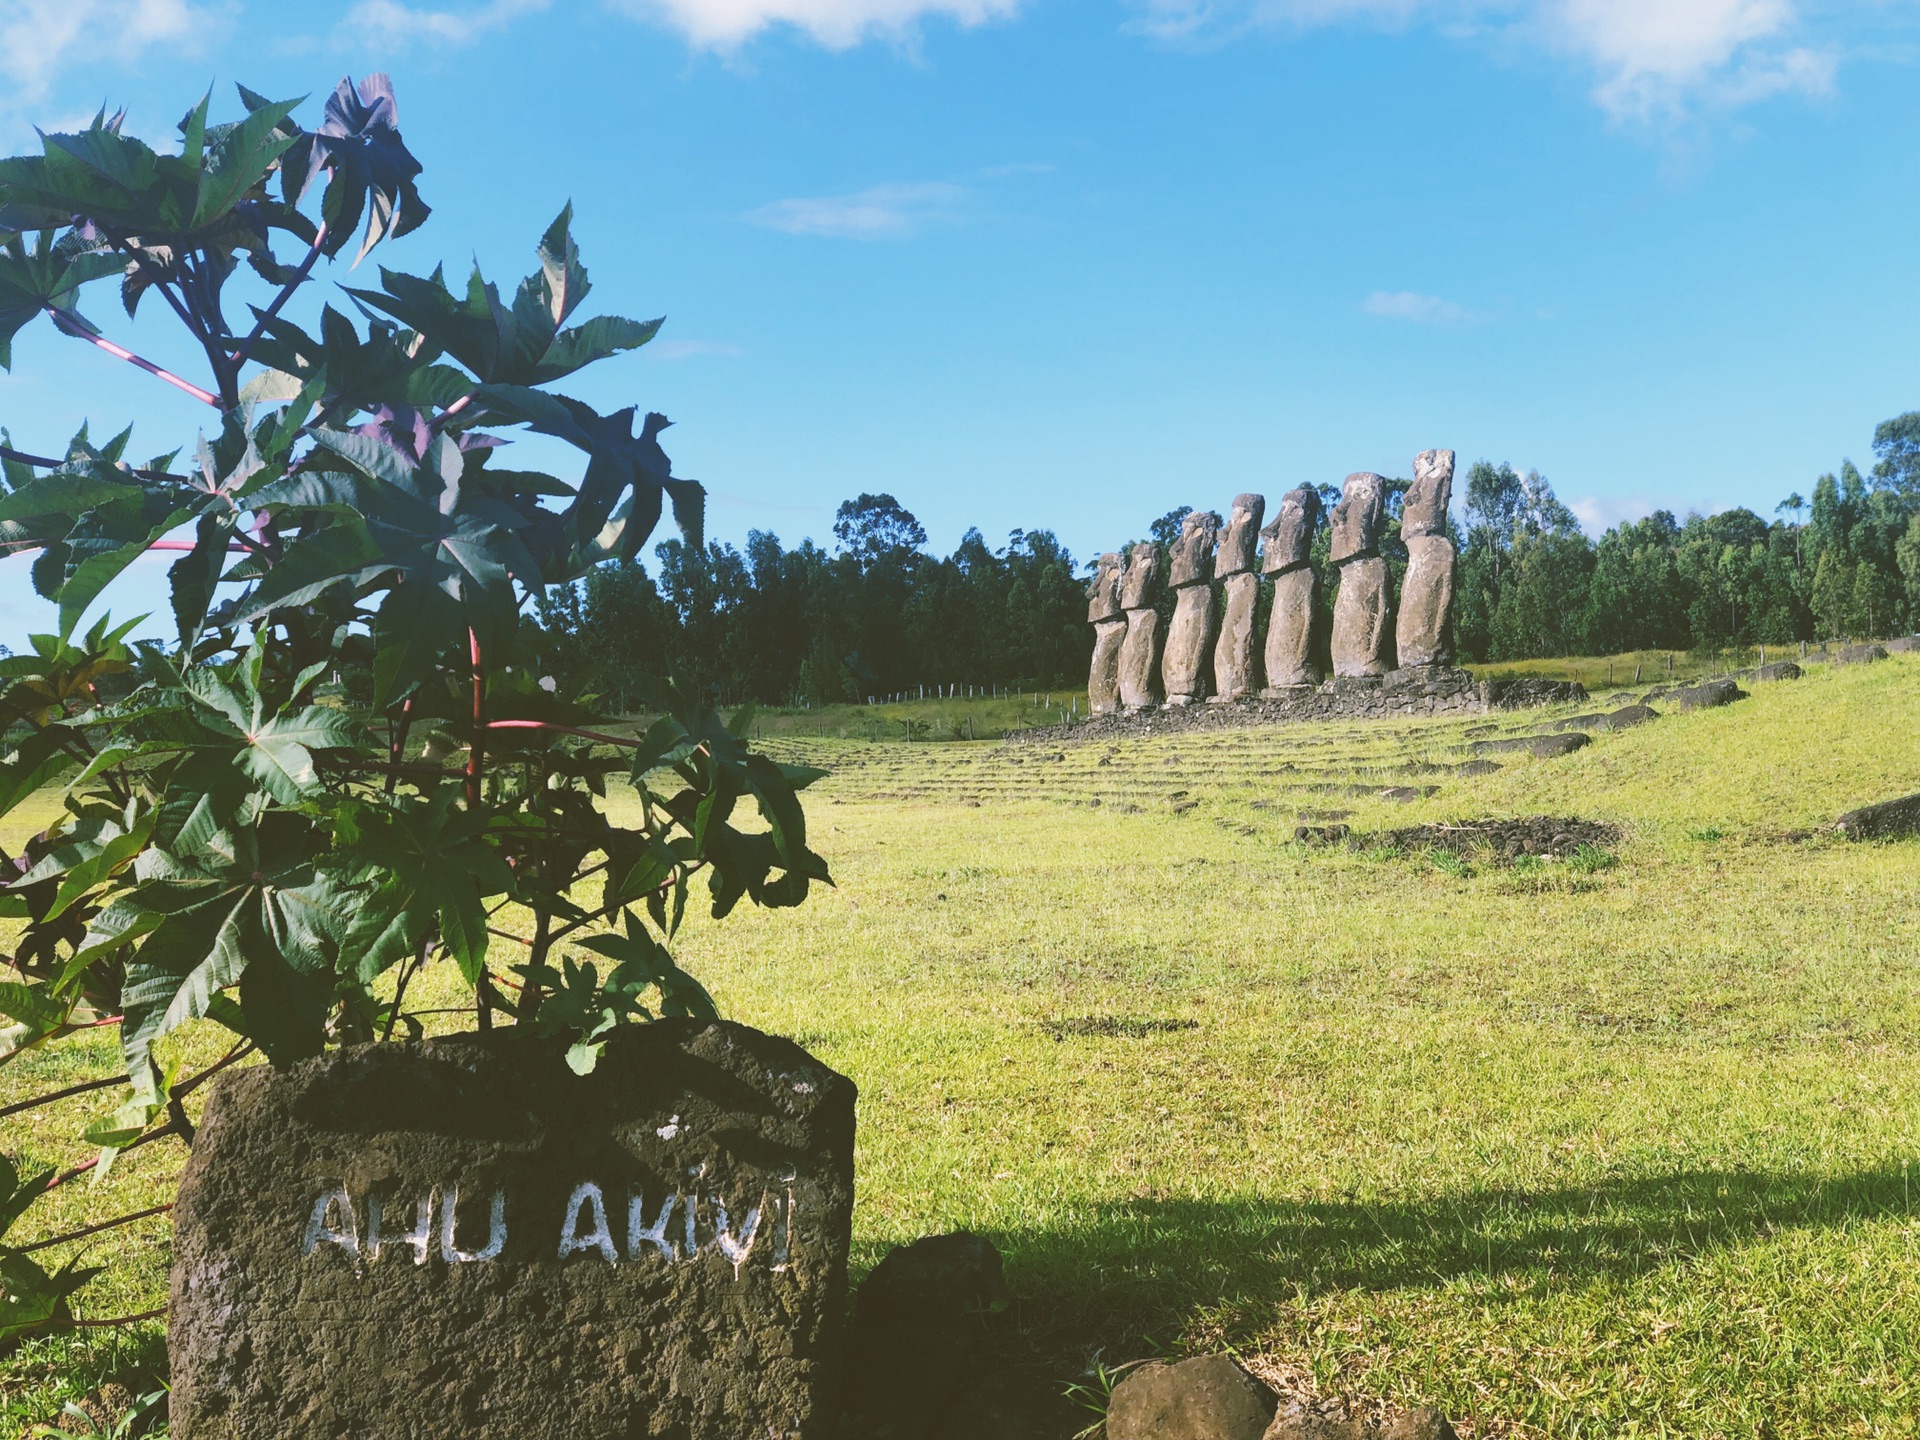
<point x="1574" y="1154"/>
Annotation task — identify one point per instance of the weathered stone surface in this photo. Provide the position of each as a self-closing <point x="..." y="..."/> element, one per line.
<point x="1103" y="679"/>
<point x="1859" y="654"/>
<point x="1424" y="627"/>
<point x="1140" y="661"/>
<point x="1287" y="542"/>
<point x="1707" y="695"/>
<point x="1425" y="510"/>
<point x="1544" y="747"/>
<point x="1184" y="665"/>
<point x="1779" y="670"/>
<point x="1206" y="1398"/>
<point x="1240" y="536"/>
<point x="1624" y="718"/>
<point x="1356" y="520"/>
<point x="1528" y="692"/>
<point x="1423" y="1424"/>
<point x="1295" y="1423"/>
<point x="1192" y="561"/>
<point x="1905" y="645"/>
<point x="463" y="1237"/>
<point x="1140" y="585"/>
<point x="1361" y="614"/>
<point x="1103" y="591"/>
<point x="1889" y="820"/>
<point x="1236" y="656"/>
<point x="1289" y="651"/>
<point x="918" y="1324"/>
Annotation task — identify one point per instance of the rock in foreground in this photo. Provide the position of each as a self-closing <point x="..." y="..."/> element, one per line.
<point x="1206" y="1398"/>
<point x="1889" y="820"/>
<point x="463" y="1237"/>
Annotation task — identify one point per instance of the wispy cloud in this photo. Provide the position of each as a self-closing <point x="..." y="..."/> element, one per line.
<point x="1407" y="305"/>
<point x="390" y="25"/>
<point x="838" y="24"/>
<point x="885" y="212"/>
<point x="1599" y="514"/>
<point x="40" y="40"/>
<point x="1648" y="58"/>
<point x="689" y="349"/>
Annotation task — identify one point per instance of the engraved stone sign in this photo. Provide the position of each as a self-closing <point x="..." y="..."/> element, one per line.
<point x="463" y="1237"/>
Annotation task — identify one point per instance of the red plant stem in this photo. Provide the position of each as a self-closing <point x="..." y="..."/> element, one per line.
<point x="509" y="935"/>
<point x="120" y="352"/>
<point x="87" y="1230"/>
<point x="286" y="294"/>
<point x="476" y="751"/>
<point x="41" y="462"/>
<point x="397" y="745"/>
<point x="65" y="1094"/>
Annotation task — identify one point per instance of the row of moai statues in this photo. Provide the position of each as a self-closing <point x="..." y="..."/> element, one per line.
<point x="1134" y="669"/>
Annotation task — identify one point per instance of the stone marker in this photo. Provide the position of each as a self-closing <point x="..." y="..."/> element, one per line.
<point x="1424" y="629"/>
<point x="1183" y="666"/>
<point x="464" y="1238"/>
<point x="1285" y="548"/>
<point x="1889" y="820"/>
<point x="1236" y="658"/>
<point x="1103" y="678"/>
<point x="917" y="1329"/>
<point x="1140" y="652"/>
<point x="1361" y="610"/>
<point x="1205" y="1398"/>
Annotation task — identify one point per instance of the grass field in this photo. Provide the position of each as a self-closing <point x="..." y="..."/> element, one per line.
<point x="1571" y="1150"/>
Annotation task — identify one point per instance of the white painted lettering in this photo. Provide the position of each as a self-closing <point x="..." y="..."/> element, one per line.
<point x="420" y="1237"/>
<point x="332" y="1223"/>
<point x="735" y="1248"/>
<point x="599" y="1237"/>
<point x="639" y="1233"/>
<point x="496" y="1229"/>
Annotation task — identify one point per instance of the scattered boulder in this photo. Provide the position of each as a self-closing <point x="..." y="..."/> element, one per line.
<point x="1708" y="695"/>
<point x="918" y="1322"/>
<point x="1407" y="794"/>
<point x="1472" y="769"/>
<point x="1528" y="692"/>
<point x="1905" y="645"/>
<point x="1543" y="835"/>
<point x="1542" y="747"/>
<point x="1859" y="654"/>
<point x="464" y="1237"/>
<point x="1206" y="1398"/>
<point x="1320" y="834"/>
<point x="1779" y="670"/>
<point x="1329" y="1420"/>
<point x="1889" y="820"/>
<point x="1626" y="717"/>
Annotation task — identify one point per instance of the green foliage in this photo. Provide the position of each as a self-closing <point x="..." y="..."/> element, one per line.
<point x="348" y="758"/>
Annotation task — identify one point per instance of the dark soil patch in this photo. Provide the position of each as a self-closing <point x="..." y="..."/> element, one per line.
<point x="1542" y="835"/>
<point x="1115" y="1026"/>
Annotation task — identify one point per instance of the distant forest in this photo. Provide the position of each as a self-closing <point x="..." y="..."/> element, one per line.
<point x="877" y="614"/>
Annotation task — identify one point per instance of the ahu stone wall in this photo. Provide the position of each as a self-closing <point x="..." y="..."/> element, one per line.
<point x="1212" y="650"/>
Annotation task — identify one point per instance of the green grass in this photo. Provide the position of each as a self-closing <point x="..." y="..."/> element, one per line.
<point x="1571" y="1148"/>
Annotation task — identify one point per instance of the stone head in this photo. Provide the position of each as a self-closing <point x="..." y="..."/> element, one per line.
<point x="1425" y="512"/>
<point x="1103" y="591"/>
<point x="1141" y="585"/>
<point x="1287" y="542"/>
<point x="1356" y="520"/>
<point x="1237" y="539"/>
<point x="1193" y="551"/>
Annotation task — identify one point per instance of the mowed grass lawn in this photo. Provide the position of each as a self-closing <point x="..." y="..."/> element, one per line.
<point x="1571" y="1150"/>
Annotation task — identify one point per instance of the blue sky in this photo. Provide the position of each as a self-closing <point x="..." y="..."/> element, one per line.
<point x="1069" y="263"/>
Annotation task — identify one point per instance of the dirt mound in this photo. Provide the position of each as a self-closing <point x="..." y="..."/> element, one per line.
<point x="1544" y="835"/>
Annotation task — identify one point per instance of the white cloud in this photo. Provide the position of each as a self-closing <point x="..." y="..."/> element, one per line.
<point x="1407" y="305"/>
<point x="387" y="24"/>
<point x="1648" y="57"/>
<point x="885" y="212"/>
<point x="837" y="24"/>
<point x="1599" y="514"/>
<point x="40" y="40"/>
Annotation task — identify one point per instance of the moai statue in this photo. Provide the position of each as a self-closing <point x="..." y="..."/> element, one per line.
<point x="1183" y="669"/>
<point x="1360" y="609"/>
<point x="1109" y="630"/>
<point x="1140" y="652"/>
<point x="1424" y="631"/>
<point x="1285" y="548"/>
<point x="1236" y="657"/>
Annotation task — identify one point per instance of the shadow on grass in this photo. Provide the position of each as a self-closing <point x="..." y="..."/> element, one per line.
<point x="1134" y="1272"/>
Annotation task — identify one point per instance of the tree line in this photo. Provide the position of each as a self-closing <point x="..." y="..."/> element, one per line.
<point x="877" y="614"/>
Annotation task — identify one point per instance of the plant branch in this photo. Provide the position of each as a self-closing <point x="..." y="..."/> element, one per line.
<point x="68" y="326"/>
<point x="7" y="452"/>
<point x="71" y="1322"/>
<point x="286" y="294"/>
<point x="20" y="1106"/>
<point x="87" y="1230"/>
<point x="547" y="725"/>
<point x="476" y="751"/>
